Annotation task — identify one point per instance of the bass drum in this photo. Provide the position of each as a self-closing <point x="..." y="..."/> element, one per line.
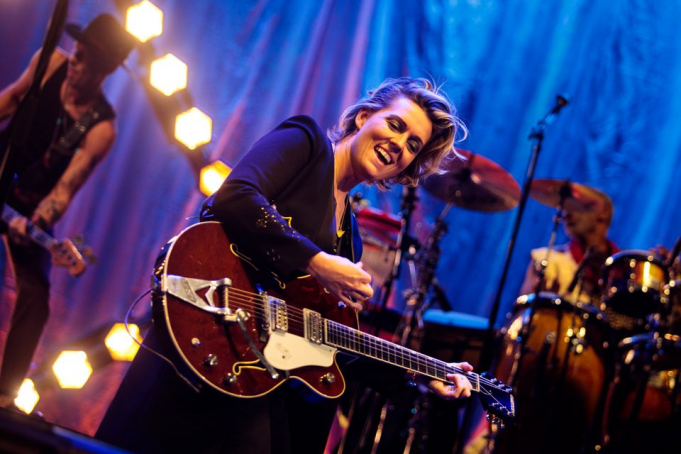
<point x="559" y="378"/>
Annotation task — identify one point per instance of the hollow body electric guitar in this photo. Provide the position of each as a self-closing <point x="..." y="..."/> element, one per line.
<point x="64" y="252"/>
<point x="230" y="334"/>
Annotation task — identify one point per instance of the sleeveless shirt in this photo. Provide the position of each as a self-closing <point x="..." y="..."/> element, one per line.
<point x="39" y="166"/>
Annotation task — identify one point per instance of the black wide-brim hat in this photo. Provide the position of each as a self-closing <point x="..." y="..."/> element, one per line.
<point x="107" y="37"/>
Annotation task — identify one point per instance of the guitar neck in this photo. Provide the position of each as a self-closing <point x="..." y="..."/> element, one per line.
<point x="362" y="344"/>
<point x="34" y="232"/>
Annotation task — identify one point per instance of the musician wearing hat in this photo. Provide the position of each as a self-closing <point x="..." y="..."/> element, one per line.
<point x="72" y="131"/>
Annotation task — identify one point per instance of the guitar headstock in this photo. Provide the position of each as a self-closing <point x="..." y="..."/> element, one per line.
<point x="498" y="400"/>
<point x="85" y="250"/>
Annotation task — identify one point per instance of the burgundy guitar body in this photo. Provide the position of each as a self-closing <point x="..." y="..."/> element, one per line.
<point x="217" y="352"/>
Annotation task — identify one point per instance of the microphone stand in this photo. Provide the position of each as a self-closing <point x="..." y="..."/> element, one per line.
<point x="22" y="120"/>
<point x="407" y="208"/>
<point x="537" y="137"/>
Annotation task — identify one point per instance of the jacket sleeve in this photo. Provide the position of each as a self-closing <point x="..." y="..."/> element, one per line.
<point x="244" y="203"/>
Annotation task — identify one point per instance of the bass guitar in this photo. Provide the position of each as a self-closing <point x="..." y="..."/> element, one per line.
<point x="64" y="252"/>
<point x="229" y="333"/>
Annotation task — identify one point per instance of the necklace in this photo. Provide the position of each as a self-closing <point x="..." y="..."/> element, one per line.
<point x="340" y="198"/>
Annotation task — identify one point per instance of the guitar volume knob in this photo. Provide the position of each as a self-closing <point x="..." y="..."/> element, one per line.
<point x="230" y="379"/>
<point x="211" y="360"/>
<point x="328" y="378"/>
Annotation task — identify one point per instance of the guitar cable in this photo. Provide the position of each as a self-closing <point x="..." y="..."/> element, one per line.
<point x="151" y="350"/>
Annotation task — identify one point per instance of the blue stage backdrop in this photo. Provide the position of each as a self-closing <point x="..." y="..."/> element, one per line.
<point x="254" y="63"/>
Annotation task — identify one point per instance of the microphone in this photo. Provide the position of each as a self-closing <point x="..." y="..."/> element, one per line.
<point x="580" y="269"/>
<point x="562" y="100"/>
<point x="675" y="251"/>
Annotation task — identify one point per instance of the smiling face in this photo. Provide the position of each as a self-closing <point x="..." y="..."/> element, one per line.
<point x="388" y="140"/>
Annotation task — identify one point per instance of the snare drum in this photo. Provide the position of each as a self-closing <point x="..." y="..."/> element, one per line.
<point x="632" y="284"/>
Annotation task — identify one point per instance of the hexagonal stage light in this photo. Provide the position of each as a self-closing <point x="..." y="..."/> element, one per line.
<point x="72" y="369"/>
<point x="144" y="21"/>
<point x="212" y="176"/>
<point x="168" y="74"/>
<point x="193" y="128"/>
<point x="28" y="396"/>
<point x="121" y="346"/>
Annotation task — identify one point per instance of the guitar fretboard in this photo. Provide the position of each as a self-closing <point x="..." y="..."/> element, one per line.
<point x="36" y="234"/>
<point x="346" y="338"/>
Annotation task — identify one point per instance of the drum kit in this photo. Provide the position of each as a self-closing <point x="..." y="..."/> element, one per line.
<point x="588" y="371"/>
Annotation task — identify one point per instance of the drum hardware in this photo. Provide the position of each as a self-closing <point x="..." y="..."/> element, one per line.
<point x="410" y="330"/>
<point x="540" y="268"/>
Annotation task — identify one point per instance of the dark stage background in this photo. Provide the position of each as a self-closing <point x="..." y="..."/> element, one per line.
<point x="254" y="63"/>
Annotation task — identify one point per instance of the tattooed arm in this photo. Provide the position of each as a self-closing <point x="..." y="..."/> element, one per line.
<point x="95" y="146"/>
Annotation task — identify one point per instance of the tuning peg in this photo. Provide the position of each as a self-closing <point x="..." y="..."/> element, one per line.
<point x="78" y="238"/>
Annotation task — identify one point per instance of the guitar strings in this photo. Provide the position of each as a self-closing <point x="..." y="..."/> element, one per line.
<point x="255" y="302"/>
<point x="352" y="335"/>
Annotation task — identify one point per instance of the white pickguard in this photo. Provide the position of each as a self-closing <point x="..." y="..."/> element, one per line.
<point x="286" y="351"/>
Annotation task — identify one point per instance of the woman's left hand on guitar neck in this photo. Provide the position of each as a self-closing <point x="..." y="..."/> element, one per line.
<point x="461" y="387"/>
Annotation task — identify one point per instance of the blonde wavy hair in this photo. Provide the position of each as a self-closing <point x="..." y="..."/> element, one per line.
<point x="441" y="112"/>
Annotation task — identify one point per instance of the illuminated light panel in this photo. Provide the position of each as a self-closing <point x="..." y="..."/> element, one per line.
<point x="168" y="74"/>
<point x="212" y="176"/>
<point x="28" y="397"/>
<point x="144" y="21"/>
<point x="72" y="369"/>
<point x="121" y="346"/>
<point x="193" y="128"/>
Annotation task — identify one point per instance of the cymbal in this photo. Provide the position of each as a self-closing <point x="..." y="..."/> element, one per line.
<point x="475" y="183"/>
<point x="576" y="197"/>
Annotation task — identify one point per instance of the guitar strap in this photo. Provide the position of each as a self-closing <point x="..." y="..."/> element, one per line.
<point x="67" y="144"/>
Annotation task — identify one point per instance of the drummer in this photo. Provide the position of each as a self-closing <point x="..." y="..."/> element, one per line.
<point x="587" y="229"/>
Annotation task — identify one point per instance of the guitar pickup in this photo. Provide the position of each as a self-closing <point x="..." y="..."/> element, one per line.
<point x="276" y="311"/>
<point x="314" y="326"/>
<point x="186" y="289"/>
